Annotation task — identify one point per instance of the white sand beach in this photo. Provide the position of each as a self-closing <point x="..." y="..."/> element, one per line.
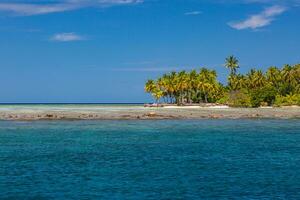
<point x="119" y="112"/>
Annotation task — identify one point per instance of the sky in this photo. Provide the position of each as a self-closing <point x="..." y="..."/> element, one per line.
<point x="103" y="51"/>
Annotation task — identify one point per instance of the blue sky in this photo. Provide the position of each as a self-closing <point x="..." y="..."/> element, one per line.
<point x="104" y="50"/>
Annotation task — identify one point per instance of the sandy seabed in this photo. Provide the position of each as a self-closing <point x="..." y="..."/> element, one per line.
<point x="140" y="113"/>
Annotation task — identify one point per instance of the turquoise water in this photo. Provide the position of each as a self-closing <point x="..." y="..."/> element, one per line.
<point x="69" y="107"/>
<point x="207" y="159"/>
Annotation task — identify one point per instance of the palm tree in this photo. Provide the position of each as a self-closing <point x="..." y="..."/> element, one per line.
<point x="157" y="94"/>
<point x="208" y="82"/>
<point x="232" y="64"/>
<point x="173" y="84"/>
<point x="192" y="84"/>
<point x="237" y="82"/>
<point x="166" y="84"/>
<point x="296" y="72"/>
<point x="291" y="75"/>
<point x="255" y="79"/>
<point x="150" y="86"/>
<point x="259" y="79"/>
<point x="287" y="73"/>
<point x="288" y="76"/>
<point x="182" y="85"/>
<point x="273" y="77"/>
<point x="199" y="86"/>
<point x="161" y="84"/>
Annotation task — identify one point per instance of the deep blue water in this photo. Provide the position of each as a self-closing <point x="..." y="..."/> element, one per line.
<point x="207" y="159"/>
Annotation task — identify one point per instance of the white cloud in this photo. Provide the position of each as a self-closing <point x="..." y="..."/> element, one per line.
<point x="262" y="19"/>
<point x="284" y="2"/>
<point x="193" y="13"/>
<point x="35" y="9"/>
<point x="66" y="37"/>
<point x="42" y="7"/>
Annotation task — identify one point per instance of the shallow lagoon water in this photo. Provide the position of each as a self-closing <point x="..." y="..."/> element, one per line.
<point x="206" y="159"/>
<point x="69" y="107"/>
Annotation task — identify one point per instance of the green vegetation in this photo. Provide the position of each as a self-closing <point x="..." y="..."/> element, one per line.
<point x="275" y="87"/>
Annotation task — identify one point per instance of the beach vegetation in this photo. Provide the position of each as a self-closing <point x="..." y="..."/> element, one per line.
<point x="288" y="100"/>
<point x="274" y="87"/>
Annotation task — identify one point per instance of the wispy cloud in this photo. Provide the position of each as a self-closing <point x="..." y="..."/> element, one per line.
<point x="66" y="37"/>
<point x="193" y="13"/>
<point x="42" y="7"/>
<point x="282" y="2"/>
<point x="259" y="20"/>
<point x="35" y="9"/>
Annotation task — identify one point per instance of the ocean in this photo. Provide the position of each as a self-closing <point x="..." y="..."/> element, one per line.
<point x="167" y="159"/>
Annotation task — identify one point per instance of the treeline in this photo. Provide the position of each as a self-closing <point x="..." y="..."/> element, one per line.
<point x="274" y="87"/>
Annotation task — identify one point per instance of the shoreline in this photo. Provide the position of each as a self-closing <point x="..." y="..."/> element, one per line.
<point x="36" y="113"/>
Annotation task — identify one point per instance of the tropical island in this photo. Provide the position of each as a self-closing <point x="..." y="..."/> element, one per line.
<point x="191" y="95"/>
<point x="275" y="87"/>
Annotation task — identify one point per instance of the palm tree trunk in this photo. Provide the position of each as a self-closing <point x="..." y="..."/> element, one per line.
<point x="205" y="96"/>
<point x="200" y="97"/>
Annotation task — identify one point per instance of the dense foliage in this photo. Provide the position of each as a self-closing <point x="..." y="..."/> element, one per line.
<point x="276" y="86"/>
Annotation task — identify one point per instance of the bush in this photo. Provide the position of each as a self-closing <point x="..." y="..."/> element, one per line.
<point x="289" y="100"/>
<point x="263" y="96"/>
<point x="224" y="99"/>
<point x="236" y="99"/>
